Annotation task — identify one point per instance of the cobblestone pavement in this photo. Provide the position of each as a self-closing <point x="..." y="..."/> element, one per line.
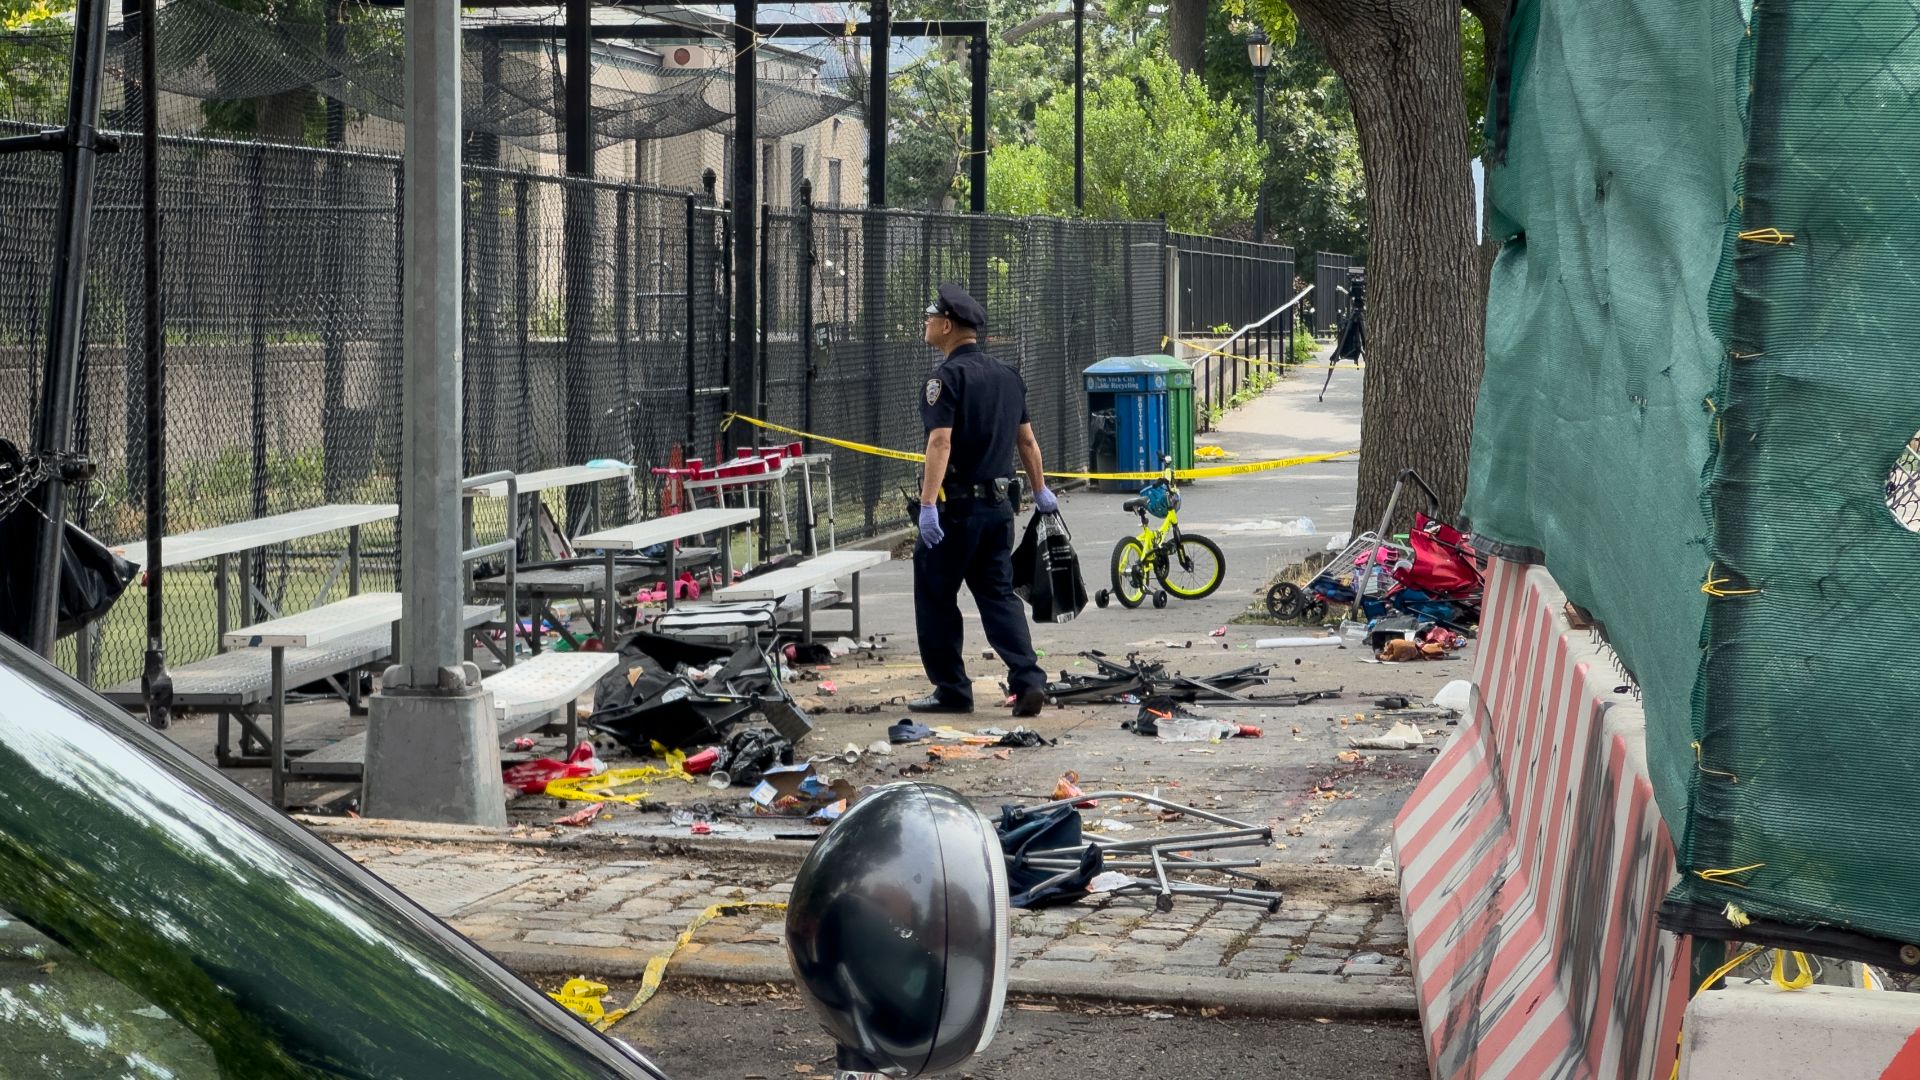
<point x="550" y="910"/>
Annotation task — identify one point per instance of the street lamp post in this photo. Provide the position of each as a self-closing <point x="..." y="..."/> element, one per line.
<point x="1260" y="54"/>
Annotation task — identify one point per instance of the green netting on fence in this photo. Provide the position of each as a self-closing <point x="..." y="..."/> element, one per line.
<point x="1698" y="384"/>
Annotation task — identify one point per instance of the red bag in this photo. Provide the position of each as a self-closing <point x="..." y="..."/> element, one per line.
<point x="531" y="777"/>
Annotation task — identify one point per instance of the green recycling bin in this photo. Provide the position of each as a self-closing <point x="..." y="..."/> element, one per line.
<point x="1180" y="414"/>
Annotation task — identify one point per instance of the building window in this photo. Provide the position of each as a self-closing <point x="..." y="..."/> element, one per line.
<point x="767" y="162"/>
<point x="833" y="180"/>
<point x="796" y="173"/>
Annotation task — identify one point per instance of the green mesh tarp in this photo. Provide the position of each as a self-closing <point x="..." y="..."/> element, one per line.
<point x="1699" y="380"/>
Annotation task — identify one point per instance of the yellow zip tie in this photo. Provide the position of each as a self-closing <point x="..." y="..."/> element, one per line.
<point x="1714" y="586"/>
<point x="1736" y="916"/>
<point x="1701" y="765"/>
<point x="1800" y="981"/>
<point x="1725" y="877"/>
<point x="1766" y="236"/>
<point x="1207" y="473"/>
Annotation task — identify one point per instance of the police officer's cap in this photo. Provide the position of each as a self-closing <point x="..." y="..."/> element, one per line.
<point x="954" y="303"/>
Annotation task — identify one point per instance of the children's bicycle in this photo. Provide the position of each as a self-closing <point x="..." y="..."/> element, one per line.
<point x="1186" y="566"/>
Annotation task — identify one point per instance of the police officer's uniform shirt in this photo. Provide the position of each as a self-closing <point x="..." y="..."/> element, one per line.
<point x="984" y="401"/>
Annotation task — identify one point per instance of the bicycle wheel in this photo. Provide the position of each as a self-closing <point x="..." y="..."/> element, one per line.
<point x="1129" y="569"/>
<point x="1193" y="569"/>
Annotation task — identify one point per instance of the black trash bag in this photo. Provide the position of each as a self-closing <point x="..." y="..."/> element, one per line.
<point x="1022" y="740"/>
<point x="1046" y="572"/>
<point x="749" y="754"/>
<point x="1021" y="834"/>
<point x="91" y="577"/>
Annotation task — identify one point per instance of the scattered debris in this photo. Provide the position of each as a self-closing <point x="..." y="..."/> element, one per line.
<point x="1456" y="696"/>
<point x="1069" y="788"/>
<point x="906" y="731"/>
<point x="533" y="777"/>
<point x="583" y="816"/>
<point x="1298" y="643"/>
<point x="1401" y="736"/>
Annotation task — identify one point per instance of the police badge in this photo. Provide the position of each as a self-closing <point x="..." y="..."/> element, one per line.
<point x="933" y="391"/>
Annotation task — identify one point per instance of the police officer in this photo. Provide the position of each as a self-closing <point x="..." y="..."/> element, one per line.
<point x="975" y="410"/>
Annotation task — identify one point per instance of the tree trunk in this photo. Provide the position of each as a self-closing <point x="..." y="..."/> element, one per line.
<point x="1187" y="33"/>
<point x="1425" y="308"/>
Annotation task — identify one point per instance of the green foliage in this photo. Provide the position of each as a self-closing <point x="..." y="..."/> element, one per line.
<point x="300" y="115"/>
<point x="1316" y="188"/>
<point x="1305" y="347"/>
<point x="33" y="65"/>
<point x="1157" y="145"/>
<point x="1475" y="63"/>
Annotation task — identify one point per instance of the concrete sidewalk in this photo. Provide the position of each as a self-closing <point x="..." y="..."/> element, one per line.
<point x="557" y="912"/>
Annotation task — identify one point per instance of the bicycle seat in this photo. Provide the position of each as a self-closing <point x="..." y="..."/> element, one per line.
<point x="1133" y="504"/>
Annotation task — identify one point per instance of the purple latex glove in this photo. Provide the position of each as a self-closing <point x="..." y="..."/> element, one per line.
<point x="930" y="531"/>
<point x="1044" y="501"/>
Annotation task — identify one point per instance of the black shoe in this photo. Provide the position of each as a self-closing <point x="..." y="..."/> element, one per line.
<point x="934" y="703"/>
<point x="1031" y="701"/>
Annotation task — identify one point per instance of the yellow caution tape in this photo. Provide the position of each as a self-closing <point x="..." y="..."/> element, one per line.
<point x="858" y="448"/>
<point x="1208" y="473"/>
<point x="599" y="788"/>
<point x="582" y="997"/>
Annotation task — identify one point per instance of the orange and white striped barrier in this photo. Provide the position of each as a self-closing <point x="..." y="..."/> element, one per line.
<point x="1532" y="860"/>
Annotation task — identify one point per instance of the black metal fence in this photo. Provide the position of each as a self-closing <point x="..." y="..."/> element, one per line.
<point x="1330" y="303"/>
<point x="598" y="325"/>
<point x="1228" y="289"/>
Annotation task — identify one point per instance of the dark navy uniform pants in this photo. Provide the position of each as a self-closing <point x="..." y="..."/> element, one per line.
<point x="977" y="550"/>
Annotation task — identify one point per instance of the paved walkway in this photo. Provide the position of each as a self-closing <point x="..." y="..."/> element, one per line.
<point x="548" y="911"/>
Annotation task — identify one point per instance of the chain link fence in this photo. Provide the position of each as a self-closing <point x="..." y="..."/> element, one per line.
<point x="598" y="325"/>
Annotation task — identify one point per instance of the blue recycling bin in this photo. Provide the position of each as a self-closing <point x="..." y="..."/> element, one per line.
<point x="1127" y="407"/>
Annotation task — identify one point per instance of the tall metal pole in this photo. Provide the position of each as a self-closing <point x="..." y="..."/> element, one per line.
<point x="579" y="84"/>
<point x="977" y="150"/>
<point x="878" y="74"/>
<point x="154" y="680"/>
<point x="1079" y="104"/>
<point x="433" y="750"/>
<point x="1260" y="131"/>
<point x="79" y="143"/>
<point x="430" y="531"/>
<point x="579" y="385"/>
<point x="745" y="189"/>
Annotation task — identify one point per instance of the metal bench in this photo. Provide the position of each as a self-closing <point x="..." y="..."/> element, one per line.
<point x="669" y="530"/>
<point x="253" y="677"/>
<point x="804" y="578"/>
<point x="247" y="540"/>
<point x="525" y="697"/>
<point x="542" y="588"/>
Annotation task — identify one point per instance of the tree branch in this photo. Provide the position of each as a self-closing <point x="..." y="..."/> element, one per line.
<point x="1013" y="34"/>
